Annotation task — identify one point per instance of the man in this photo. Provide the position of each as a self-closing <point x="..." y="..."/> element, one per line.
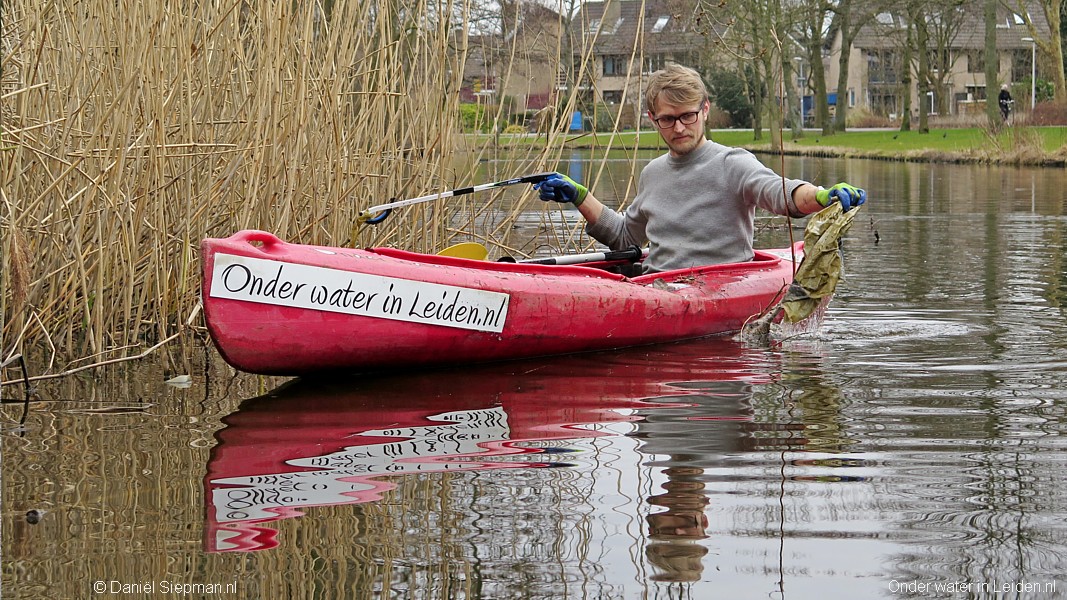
<point x="695" y="205"/>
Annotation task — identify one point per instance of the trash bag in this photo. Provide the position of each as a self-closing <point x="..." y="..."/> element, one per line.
<point x="818" y="274"/>
<point x="816" y="277"/>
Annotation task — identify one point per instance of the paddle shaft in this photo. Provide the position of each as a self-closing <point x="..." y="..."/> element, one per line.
<point x="365" y="215"/>
<point x="632" y="254"/>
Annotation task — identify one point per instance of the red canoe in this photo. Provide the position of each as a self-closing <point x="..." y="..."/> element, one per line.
<point x="288" y="309"/>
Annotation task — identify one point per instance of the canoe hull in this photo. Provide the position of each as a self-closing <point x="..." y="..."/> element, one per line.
<point x="290" y="309"/>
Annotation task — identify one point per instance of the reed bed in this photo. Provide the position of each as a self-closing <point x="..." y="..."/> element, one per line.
<point x="133" y="130"/>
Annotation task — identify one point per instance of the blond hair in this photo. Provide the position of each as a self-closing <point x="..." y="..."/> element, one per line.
<point x="677" y="85"/>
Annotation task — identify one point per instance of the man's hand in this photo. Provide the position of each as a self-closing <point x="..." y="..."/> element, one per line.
<point x="561" y="188"/>
<point x="847" y="195"/>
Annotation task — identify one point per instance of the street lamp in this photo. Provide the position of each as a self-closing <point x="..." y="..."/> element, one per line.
<point x="1033" y="71"/>
<point x="800" y="86"/>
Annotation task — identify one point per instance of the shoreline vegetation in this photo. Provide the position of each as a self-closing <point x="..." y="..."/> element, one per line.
<point x="132" y="131"/>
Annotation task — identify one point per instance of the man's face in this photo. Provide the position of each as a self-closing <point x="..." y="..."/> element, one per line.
<point x="681" y="137"/>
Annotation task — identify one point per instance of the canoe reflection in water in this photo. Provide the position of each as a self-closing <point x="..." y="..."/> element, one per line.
<point x="329" y="442"/>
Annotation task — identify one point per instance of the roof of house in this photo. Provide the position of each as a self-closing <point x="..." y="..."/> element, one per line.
<point x="1011" y="29"/>
<point x="663" y="25"/>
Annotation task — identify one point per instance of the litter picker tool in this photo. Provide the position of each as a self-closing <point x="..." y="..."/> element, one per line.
<point x="376" y="214"/>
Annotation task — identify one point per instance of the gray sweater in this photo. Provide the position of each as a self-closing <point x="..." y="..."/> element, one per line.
<point x="698" y="209"/>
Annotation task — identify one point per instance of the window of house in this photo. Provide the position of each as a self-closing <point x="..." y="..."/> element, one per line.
<point x="613" y="96"/>
<point x="975" y="61"/>
<point x="1020" y="65"/>
<point x="882" y="66"/>
<point x="938" y="59"/>
<point x="660" y="24"/>
<point x="884" y="103"/>
<point x="614" y="65"/>
<point x="594" y="25"/>
<point x="654" y="62"/>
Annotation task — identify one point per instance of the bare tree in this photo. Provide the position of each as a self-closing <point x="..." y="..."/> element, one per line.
<point x="905" y="75"/>
<point x="922" y="43"/>
<point x="849" y="20"/>
<point x="991" y="63"/>
<point x="1053" y="46"/>
<point x="754" y="32"/>
<point x="813" y="22"/>
<point x="943" y="22"/>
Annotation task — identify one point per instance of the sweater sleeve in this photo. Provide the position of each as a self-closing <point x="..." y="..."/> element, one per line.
<point x="762" y="187"/>
<point x="619" y="231"/>
<point x="622" y="230"/>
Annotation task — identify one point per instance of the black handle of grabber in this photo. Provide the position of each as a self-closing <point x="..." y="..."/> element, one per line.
<point x="538" y="178"/>
<point x="632" y="254"/>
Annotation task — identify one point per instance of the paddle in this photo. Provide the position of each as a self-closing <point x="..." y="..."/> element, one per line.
<point x="471" y="250"/>
<point x="368" y="215"/>
<point x="476" y="251"/>
<point x="632" y="254"/>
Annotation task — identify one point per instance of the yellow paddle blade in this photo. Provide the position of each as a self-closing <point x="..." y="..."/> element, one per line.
<point x="471" y="250"/>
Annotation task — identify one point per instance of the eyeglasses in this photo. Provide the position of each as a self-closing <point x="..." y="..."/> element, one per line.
<point x="668" y="121"/>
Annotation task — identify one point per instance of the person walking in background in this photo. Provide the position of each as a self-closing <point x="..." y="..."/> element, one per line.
<point x="695" y="205"/>
<point x="1006" y="101"/>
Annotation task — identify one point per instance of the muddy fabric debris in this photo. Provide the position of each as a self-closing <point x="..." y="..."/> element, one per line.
<point x="821" y="270"/>
<point x="816" y="277"/>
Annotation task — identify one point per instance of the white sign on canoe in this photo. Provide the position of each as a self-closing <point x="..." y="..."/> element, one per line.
<point x="335" y="290"/>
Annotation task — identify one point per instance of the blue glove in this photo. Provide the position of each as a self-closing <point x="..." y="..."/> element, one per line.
<point x="561" y="188"/>
<point x="844" y="193"/>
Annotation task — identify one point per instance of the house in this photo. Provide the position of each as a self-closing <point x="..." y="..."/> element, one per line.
<point x="957" y="60"/>
<point x="631" y="39"/>
<point x="624" y="42"/>
<point x="518" y="65"/>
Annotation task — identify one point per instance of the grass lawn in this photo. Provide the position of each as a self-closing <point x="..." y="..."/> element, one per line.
<point x="937" y="140"/>
<point x="866" y="142"/>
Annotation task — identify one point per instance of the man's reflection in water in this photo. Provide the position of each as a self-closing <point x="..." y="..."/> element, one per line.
<point x="673" y="549"/>
<point x="686" y="440"/>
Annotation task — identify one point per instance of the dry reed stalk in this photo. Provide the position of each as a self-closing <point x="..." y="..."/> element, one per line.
<point x="133" y="130"/>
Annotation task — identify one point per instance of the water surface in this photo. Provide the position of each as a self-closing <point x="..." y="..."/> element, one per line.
<point x="912" y="445"/>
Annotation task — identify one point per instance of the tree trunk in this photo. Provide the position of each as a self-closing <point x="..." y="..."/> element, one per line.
<point x="992" y="65"/>
<point x="845" y="19"/>
<point x="905" y="80"/>
<point x="773" y="105"/>
<point x="922" y="39"/>
<point x="818" y="81"/>
<point x="755" y="93"/>
<point x="793" y="99"/>
<point x="1054" y="12"/>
